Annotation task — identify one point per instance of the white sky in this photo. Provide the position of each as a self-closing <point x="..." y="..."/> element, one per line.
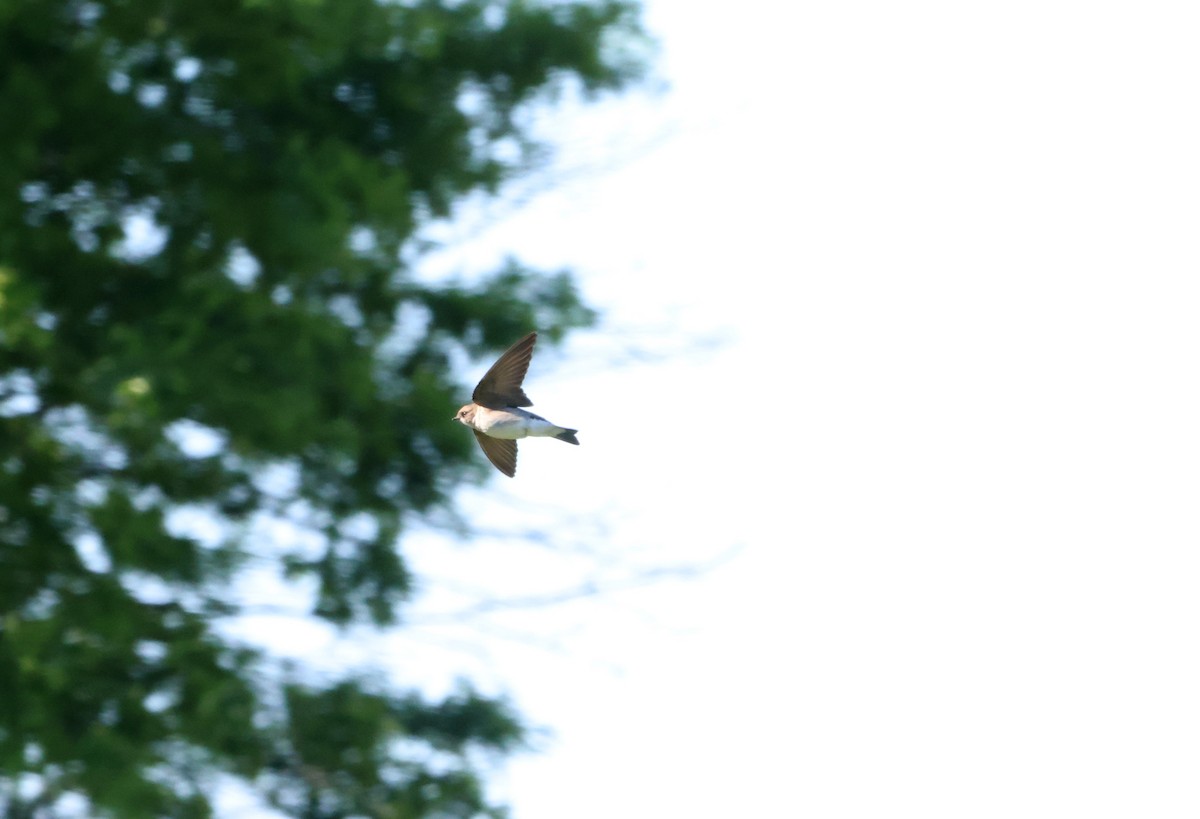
<point x="952" y="428"/>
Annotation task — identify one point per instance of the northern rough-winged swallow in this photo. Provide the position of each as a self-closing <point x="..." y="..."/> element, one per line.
<point x="495" y="414"/>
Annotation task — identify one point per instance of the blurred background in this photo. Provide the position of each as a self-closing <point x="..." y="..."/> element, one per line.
<point x="877" y="322"/>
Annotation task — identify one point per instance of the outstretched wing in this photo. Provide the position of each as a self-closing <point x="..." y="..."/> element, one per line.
<point x="500" y="387"/>
<point x="500" y="451"/>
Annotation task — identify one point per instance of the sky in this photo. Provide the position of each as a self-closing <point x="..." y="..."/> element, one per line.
<point x="890" y="431"/>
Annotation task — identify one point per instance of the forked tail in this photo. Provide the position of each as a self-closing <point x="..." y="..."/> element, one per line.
<point x="568" y="435"/>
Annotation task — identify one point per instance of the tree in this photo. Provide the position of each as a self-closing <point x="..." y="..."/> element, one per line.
<point x="208" y="225"/>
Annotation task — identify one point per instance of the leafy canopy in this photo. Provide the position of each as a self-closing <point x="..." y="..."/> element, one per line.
<point x="203" y="209"/>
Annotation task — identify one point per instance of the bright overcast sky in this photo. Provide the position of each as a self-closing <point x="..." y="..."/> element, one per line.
<point x="923" y="282"/>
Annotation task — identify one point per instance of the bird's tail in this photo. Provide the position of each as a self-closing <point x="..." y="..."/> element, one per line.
<point x="567" y="435"/>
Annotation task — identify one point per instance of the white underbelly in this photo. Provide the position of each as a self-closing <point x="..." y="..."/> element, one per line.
<point x="513" y="428"/>
<point x="509" y="430"/>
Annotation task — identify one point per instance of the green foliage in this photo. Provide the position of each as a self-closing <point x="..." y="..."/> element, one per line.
<point x="279" y="155"/>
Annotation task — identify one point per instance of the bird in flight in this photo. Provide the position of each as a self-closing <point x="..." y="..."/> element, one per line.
<point x="495" y="414"/>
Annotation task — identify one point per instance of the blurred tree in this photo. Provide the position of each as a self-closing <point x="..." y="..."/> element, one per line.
<point x="202" y="212"/>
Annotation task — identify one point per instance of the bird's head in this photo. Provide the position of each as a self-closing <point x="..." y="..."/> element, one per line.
<point x="466" y="415"/>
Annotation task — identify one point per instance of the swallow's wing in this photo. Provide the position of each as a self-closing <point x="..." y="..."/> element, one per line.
<point x="500" y="387"/>
<point x="500" y="451"/>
